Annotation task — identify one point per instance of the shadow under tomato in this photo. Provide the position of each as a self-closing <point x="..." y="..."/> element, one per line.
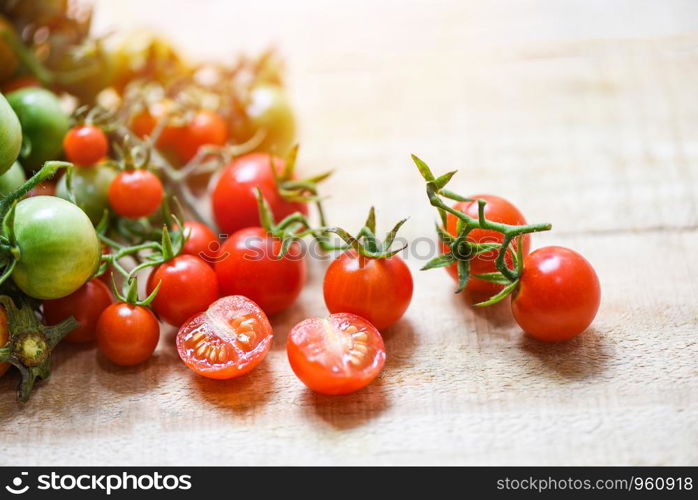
<point x="350" y="410"/>
<point x="136" y="379"/>
<point x="400" y="343"/>
<point x="584" y="356"/>
<point x="241" y="395"/>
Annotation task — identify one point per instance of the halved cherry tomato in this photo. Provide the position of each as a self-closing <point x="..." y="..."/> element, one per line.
<point x="201" y="241"/>
<point x="234" y="201"/>
<point x="247" y="264"/>
<point x="379" y="290"/>
<point x="127" y="334"/>
<point x="188" y="286"/>
<point x="85" y="305"/>
<point x="205" y="128"/>
<point x="4" y="337"/>
<point x="85" y="145"/>
<point x="558" y="294"/>
<point x="228" y="340"/>
<point x="135" y="193"/>
<point x="336" y="355"/>
<point x="497" y="210"/>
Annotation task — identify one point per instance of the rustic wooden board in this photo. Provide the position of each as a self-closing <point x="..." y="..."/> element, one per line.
<point x="582" y="113"/>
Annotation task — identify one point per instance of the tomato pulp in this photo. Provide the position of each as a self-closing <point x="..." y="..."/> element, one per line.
<point x="336" y="355"/>
<point x="227" y="340"/>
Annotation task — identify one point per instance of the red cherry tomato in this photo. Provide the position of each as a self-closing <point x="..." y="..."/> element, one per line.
<point x="497" y="210"/>
<point x="335" y="355"/>
<point x="205" y="128"/>
<point x="247" y="265"/>
<point x="558" y="294"/>
<point x="135" y="193"/>
<point x="201" y="242"/>
<point x="227" y="340"/>
<point x="187" y="286"/>
<point x="144" y="122"/>
<point x="379" y="290"/>
<point x="85" y="305"/>
<point x="126" y="334"/>
<point x="234" y="201"/>
<point x="21" y="82"/>
<point x="85" y="145"/>
<point x="46" y="188"/>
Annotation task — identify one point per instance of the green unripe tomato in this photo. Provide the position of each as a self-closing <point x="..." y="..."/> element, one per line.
<point x="270" y="110"/>
<point x="44" y="124"/>
<point x="12" y="179"/>
<point x="91" y="189"/>
<point x="10" y="135"/>
<point x="58" y="247"/>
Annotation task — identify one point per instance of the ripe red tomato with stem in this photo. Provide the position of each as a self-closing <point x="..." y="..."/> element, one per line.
<point x="127" y="334"/>
<point x="370" y="279"/>
<point x="227" y="340"/>
<point x="247" y="264"/>
<point x="233" y="197"/>
<point x="85" y="305"/>
<point x="205" y="128"/>
<point x="201" y="241"/>
<point x="558" y="294"/>
<point x="379" y="290"/>
<point x="188" y="286"/>
<point x="85" y="145"/>
<point x="135" y="193"/>
<point x="339" y="354"/>
<point x="497" y="210"/>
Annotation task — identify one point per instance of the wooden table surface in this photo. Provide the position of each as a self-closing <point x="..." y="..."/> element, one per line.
<point x="582" y="113"/>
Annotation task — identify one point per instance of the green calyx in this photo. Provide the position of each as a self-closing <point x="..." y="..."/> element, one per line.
<point x="137" y="240"/>
<point x="30" y="343"/>
<point x="462" y="251"/>
<point x="366" y="243"/>
<point x="290" y="229"/>
<point x="300" y="191"/>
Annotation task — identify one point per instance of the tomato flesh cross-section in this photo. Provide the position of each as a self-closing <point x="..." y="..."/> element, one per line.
<point x="227" y="340"/>
<point x="339" y="354"/>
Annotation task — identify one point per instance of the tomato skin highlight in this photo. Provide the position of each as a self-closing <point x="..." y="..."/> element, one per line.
<point x="379" y="290"/>
<point x="127" y="335"/>
<point x="188" y="286"/>
<point x="205" y="128"/>
<point x="558" y="294"/>
<point x="86" y="305"/>
<point x="227" y="340"/>
<point x="336" y="355"/>
<point x="58" y="246"/>
<point x="202" y="242"/>
<point x="85" y="145"/>
<point x="233" y="199"/>
<point x="135" y="193"/>
<point x="497" y="210"/>
<point x="247" y="265"/>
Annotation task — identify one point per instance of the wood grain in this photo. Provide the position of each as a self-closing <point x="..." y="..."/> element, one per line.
<point x="584" y="115"/>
